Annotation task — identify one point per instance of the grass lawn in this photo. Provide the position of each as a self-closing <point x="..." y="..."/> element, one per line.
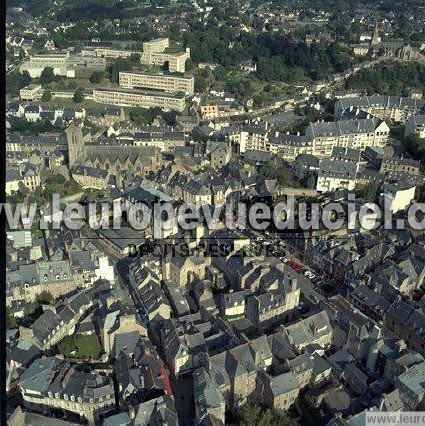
<point x="78" y="346"/>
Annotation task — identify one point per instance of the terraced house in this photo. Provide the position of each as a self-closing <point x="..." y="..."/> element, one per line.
<point x="51" y="382"/>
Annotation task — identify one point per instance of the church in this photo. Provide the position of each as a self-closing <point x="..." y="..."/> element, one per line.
<point x="109" y="155"/>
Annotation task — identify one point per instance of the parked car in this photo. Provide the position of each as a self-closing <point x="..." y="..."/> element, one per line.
<point x="314" y="299"/>
<point x="309" y="274"/>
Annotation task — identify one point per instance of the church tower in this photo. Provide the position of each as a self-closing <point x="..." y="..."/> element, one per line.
<point x="74" y="136"/>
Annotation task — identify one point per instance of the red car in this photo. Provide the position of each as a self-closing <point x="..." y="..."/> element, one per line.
<point x="295" y="265"/>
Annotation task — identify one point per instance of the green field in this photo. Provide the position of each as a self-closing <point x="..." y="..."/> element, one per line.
<point x="78" y="346"/>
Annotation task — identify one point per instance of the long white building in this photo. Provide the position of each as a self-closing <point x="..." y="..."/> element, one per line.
<point x="139" y="98"/>
<point x="319" y="139"/>
<point x="163" y="82"/>
<point x="392" y="108"/>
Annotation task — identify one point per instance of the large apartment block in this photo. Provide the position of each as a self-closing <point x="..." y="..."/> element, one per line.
<point x="50" y="60"/>
<point x="319" y="139"/>
<point x="139" y="98"/>
<point x="106" y="52"/>
<point x="156" y="45"/>
<point x="37" y="63"/>
<point x="393" y="108"/>
<point x="154" y="52"/>
<point x="162" y="82"/>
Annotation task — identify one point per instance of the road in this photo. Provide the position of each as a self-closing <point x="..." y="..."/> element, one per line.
<point x="13" y="68"/>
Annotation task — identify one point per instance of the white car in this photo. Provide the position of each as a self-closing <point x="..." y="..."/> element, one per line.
<point x="285" y="260"/>
<point x="309" y="275"/>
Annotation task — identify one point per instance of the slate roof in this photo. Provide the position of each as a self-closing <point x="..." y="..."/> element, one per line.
<point x="379" y="101"/>
<point x="337" y="169"/>
<point x="309" y="330"/>
<point x="283" y="383"/>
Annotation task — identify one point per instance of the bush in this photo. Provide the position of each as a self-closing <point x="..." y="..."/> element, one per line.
<point x="45" y="298"/>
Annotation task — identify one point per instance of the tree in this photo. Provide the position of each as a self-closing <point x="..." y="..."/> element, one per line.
<point x="170" y="117"/>
<point x="47" y="75"/>
<point x="368" y="192"/>
<point x="45" y="298"/>
<point x="47" y="96"/>
<point x="78" y="96"/>
<point x="135" y="58"/>
<point x="10" y="319"/>
<point x="15" y="81"/>
<point x="120" y="64"/>
<point x="189" y="64"/>
<point x="200" y="84"/>
<point x="415" y="146"/>
<point x="96" y="77"/>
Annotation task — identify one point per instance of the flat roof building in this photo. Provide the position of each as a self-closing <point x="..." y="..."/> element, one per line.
<point x="154" y="52"/>
<point x="163" y="82"/>
<point x="139" y="98"/>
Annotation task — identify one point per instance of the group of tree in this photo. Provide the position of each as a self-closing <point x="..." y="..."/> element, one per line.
<point x="56" y="185"/>
<point x="389" y="78"/>
<point x="96" y="77"/>
<point x="253" y="415"/>
<point x="23" y="126"/>
<point x="120" y="64"/>
<point x="278" y="56"/>
<point x="281" y="171"/>
<point x="147" y="115"/>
